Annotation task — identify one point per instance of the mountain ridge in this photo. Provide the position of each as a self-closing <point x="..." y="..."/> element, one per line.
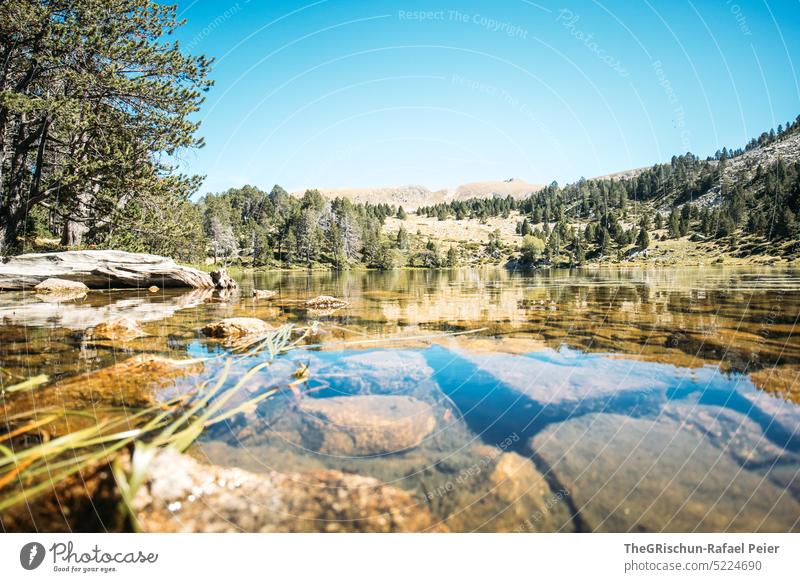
<point x="413" y="196"/>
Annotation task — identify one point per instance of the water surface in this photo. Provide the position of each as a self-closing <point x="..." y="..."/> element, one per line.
<point x="584" y="400"/>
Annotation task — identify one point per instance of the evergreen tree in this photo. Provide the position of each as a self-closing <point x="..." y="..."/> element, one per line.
<point x="95" y="104"/>
<point x="452" y="257"/>
<point x="643" y="239"/>
<point x="674" y="224"/>
<point x="402" y="238"/>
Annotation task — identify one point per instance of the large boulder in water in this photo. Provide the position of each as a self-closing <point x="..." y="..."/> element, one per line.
<point x="652" y="474"/>
<point x="365" y="425"/>
<point x="99" y="270"/>
<point x="179" y="494"/>
<point x="182" y="495"/>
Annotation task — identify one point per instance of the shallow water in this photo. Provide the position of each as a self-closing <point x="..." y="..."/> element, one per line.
<point x="586" y="400"/>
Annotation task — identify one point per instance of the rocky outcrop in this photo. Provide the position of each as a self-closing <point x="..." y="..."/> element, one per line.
<point x="236" y="327"/>
<point x="60" y="286"/>
<point x="182" y="495"/>
<point x="99" y="270"/>
<point x="365" y="425"/>
<point x="222" y="280"/>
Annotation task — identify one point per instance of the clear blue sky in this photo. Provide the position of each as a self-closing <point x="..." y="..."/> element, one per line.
<point x="345" y="93"/>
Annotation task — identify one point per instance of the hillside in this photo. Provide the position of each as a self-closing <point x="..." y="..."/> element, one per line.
<point x="742" y="169"/>
<point x="739" y="205"/>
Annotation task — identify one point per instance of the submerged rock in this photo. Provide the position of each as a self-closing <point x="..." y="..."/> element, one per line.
<point x="738" y="435"/>
<point x="264" y="293"/>
<point x="572" y="382"/>
<point x="61" y="286"/>
<point x="365" y="425"/>
<point x="642" y="474"/>
<point x="117" y="329"/>
<point x="380" y="372"/>
<point x="488" y="489"/>
<point x="326" y="302"/>
<point x="133" y="383"/>
<point x="235" y="327"/>
<point x="182" y="495"/>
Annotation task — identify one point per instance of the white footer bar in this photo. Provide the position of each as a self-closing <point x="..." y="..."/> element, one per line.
<point x="401" y="557"/>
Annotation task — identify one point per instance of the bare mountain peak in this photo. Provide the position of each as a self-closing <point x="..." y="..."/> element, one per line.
<point x="414" y="196"/>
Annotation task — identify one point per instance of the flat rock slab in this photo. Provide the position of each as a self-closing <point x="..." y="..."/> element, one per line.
<point x="182" y="495"/>
<point x="651" y="474"/>
<point x="365" y="425"/>
<point x="99" y="270"/>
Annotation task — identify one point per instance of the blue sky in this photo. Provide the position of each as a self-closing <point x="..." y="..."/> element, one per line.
<point x="345" y="93"/>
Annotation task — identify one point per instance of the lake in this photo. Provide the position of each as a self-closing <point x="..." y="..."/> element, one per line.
<point x="584" y="400"/>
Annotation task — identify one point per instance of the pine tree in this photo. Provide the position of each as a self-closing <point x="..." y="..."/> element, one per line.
<point x="580" y="252"/>
<point x="452" y="257"/>
<point x="96" y="102"/>
<point x="674" y="224"/>
<point x="786" y="225"/>
<point x="402" y="238"/>
<point x="643" y="240"/>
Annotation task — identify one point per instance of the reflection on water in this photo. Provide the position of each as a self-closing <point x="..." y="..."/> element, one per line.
<point x="589" y="400"/>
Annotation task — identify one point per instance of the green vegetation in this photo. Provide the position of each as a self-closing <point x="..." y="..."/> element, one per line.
<point x="95" y="104"/>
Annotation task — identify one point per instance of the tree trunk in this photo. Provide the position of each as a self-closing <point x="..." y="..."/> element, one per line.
<point x="12" y="220"/>
<point x="72" y="234"/>
<point x="76" y="224"/>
